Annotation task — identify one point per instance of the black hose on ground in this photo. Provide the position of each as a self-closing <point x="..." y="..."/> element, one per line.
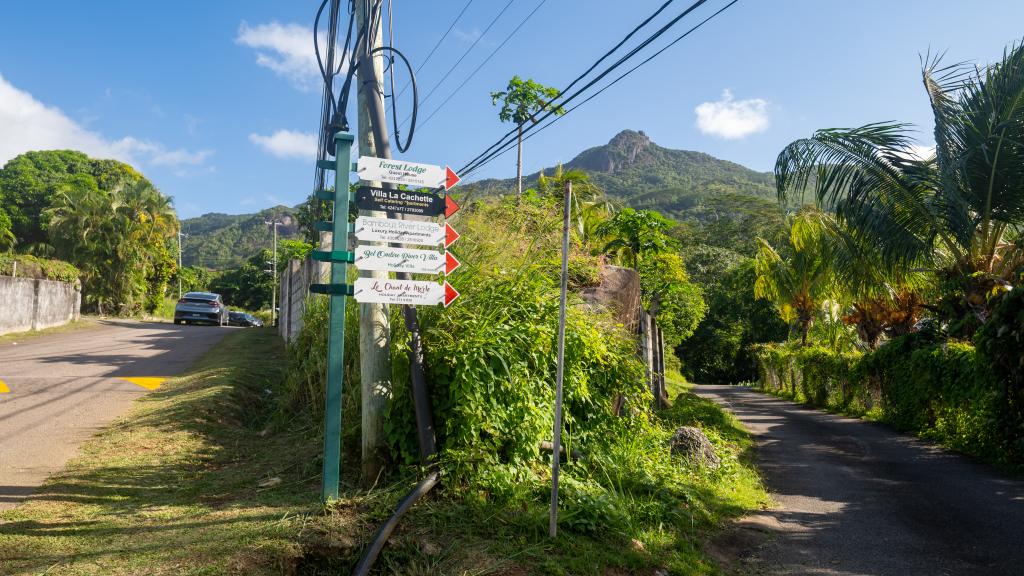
<point x="384" y="532"/>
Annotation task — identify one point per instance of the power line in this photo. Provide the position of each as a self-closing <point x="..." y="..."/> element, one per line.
<point x="437" y="45"/>
<point x="557" y="106"/>
<point x="486" y="60"/>
<point x="505" y="148"/>
<point x="589" y="70"/>
<point x="464" y="54"/>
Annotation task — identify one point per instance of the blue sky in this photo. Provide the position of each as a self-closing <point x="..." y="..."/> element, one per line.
<point x="216" y="101"/>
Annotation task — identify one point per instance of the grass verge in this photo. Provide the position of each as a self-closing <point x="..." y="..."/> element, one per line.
<point x="197" y="480"/>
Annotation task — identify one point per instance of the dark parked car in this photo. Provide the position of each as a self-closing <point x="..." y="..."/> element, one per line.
<point x="244" y="319"/>
<point x="205" y="307"/>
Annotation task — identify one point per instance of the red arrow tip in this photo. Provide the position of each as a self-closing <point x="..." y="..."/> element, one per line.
<point x="450" y="294"/>
<point x="450" y="263"/>
<point x="450" y="207"/>
<point x="450" y="178"/>
<point x="450" y="235"/>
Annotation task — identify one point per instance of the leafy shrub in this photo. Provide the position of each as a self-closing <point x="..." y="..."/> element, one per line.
<point x="33" y="267"/>
<point x="945" y="391"/>
<point x="1001" y="343"/>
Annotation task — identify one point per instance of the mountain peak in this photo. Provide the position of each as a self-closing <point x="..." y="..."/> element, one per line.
<point x="625" y="149"/>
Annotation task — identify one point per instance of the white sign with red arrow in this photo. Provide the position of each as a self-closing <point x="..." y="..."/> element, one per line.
<point x="409" y="260"/>
<point x="405" y="231"/>
<point x="412" y="292"/>
<point x="413" y="174"/>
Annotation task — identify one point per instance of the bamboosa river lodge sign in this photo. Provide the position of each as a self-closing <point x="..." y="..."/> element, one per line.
<point x="405" y="231"/>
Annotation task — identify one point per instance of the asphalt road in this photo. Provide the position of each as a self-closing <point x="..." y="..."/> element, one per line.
<point x="64" y="387"/>
<point x="855" y="498"/>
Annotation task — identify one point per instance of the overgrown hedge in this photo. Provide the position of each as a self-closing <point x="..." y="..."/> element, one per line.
<point x="33" y="267"/>
<point x="943" y="391"/>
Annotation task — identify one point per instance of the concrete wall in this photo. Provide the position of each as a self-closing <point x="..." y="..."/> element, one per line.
<point x="294" y="290"/>
<point x="31" y="304"/>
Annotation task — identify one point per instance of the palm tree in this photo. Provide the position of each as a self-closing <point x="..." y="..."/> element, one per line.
<point x="589" y="203"/>
<point x="800" y="284"/>
<point x="957" y="214"/>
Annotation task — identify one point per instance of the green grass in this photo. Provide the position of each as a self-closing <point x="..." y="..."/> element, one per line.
<point x="197" y="480"/>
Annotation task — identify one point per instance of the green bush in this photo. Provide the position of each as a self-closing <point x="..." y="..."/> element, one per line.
<point x="34" y="267"/>
<point x="944" y="391"/>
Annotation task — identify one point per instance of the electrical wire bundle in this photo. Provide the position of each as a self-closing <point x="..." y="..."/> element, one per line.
<point x="334" y="111"/>
<point x="508" y="141"/>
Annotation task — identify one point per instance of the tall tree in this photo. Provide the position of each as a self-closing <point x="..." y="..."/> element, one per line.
<point x="521" y="101"/>
<point x="958" y="213"/>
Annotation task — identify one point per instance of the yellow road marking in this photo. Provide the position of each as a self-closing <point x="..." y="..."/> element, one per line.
<point x="3" y="388"/>
<point x="147" y="383"/>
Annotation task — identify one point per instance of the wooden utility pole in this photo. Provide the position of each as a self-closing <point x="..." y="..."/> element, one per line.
<point x="374" y="319"/>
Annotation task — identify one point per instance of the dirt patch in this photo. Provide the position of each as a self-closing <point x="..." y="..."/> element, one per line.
<point x="736" y="548"/>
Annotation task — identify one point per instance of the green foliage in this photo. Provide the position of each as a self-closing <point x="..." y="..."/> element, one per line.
<point x="249" y="286"/>
<point x="958" y="212"/>
<point x="719" y="349"/>
<point x="31" y="181"/>
<point x="291" y="250"/>
<point x="631" y="233"/>
<point x="522" y="99"/>
<point x="7" y="239"/>
<point x="946" y="392"/>
<point x="681" y="184"/>
<point x="667" y="293"/>
<point x="800" y="284"/>
<point x="117" y="238"/>
<point x="223" y="241"/>
<point x="1001" y="344"/>
<point x="193" y="279"/>
<point x="29" y="266"/>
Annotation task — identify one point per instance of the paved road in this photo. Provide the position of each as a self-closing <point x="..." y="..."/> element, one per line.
<point x="64" y="387"/>
<point x="854" y="498"/>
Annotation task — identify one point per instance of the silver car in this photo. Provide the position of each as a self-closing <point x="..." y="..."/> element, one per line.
<point x="204" y="307"/>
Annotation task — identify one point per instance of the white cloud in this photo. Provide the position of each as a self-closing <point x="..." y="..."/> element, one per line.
<point x="921" y="152"/>
<point x="287" y="49"/>
<point x="28" y="124"/>
<point x="732" y="119"/>
<point x="467" y="36"/>
<point x="288" y="144"/>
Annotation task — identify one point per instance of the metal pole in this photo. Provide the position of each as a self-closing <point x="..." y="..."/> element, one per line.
<point x="336" y="323"/>
<point x="560" y="367"/>
<point x="179" y="264"/>
<point x="273" y="290"/>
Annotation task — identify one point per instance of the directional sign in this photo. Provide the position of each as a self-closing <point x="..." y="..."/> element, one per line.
<point x="399" y="259"/>
<point x="450" y="207"/>
<point x="413" y="292"/>
<point x="450" y="235"/>
<point x="399" y="201"/>
<point x="404" y="231"/>
<point x="409" y="173"/>
<point x="450" y="263"/>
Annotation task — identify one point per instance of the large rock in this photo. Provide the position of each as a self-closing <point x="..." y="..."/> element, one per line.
<point x="619" y="291"/>
<point x="694" y="446"/>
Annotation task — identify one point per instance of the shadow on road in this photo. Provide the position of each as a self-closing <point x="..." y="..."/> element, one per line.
<point x="857" y="498"/>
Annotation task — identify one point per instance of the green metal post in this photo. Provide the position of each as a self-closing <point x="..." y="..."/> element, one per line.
<point x="336" y="325"/>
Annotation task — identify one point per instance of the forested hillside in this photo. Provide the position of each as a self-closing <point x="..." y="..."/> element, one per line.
<point x="222" y="241"/>
<point x="635" y="171"/>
